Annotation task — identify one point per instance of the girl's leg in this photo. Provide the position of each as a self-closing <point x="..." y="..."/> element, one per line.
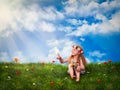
<point x="71" y="71"/>
<point x="77" y="76"/>
<point x="82" y="65"/>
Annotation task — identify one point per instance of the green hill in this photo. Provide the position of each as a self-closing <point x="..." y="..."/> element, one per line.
<point x="42" y="76"/>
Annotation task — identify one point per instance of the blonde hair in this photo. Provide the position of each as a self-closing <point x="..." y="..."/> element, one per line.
<point x="80" y="57"/>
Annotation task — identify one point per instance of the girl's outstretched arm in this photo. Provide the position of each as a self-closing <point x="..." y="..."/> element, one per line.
<point x="61" y="59"/>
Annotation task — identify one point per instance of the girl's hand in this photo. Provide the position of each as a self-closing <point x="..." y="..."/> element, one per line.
<point x="59" y="57"/>
<point x="78" y="68"/>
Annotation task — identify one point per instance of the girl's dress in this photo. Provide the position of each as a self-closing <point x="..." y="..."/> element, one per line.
<point x="74" y="64"/>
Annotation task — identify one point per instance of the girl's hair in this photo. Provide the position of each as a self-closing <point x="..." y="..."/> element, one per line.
<point x="80" y="57"/>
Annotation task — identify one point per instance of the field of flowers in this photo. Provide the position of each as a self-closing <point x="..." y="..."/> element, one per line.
<point x="51" y="76"/>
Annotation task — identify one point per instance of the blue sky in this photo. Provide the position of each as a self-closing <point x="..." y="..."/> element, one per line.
<point x="35" y="30"/>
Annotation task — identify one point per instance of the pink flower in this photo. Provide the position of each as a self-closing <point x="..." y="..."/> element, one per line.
<point x="72" y="65"/>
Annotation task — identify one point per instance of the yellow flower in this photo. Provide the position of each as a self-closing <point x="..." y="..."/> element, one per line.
<point x="72" y="65"/>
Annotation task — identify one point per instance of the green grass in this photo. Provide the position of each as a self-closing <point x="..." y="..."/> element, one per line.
<point x="35" y="76"/>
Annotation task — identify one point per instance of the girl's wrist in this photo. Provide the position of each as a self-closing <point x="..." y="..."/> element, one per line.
<point x="59" y="58"/>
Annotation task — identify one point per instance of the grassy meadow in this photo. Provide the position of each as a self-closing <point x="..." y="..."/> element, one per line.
<point x="50" y="76"/>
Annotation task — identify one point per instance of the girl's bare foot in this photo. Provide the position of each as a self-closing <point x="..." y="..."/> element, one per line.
<point x="73" y="76"/>
<point x="77" y="79"/>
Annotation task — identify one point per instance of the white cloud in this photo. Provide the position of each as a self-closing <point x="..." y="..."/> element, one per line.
<point x="34" y="58"/>
<point x="98" y="11"/>
<point x="81" y="8"/>
<point x="66" y="29"/>
<point x="52" y="55"/>
<point x="88" y="60"/>
<point x="109" y="26"/>
<point x="100" y="17"/>
<point x="96" y="54"/>
<point x="84" y="30"/>
<point x="76" y="22"/>
<point x="115" y="21"/>
<point x="50" y="14"/>
<point x="14" y="16"/>
<point x="67" y="48"/>
<point x="109" y="5"/>
<point x="48" y="27"/>
<point x="100" y="61"/>
<point x="105" y="27"/>
<point x="85" y="8"/>
<point x="82" y="39"/>
<point x="54" y="42"/>
<point x="4" y="57"/>
<point x="64" y="48"/>
<point x="69" y="6"/>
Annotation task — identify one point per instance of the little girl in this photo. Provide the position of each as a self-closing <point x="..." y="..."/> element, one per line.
<point x="76" y="62"/>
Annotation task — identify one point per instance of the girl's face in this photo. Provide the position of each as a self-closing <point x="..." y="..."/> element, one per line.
<point x="75" y="50"/>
